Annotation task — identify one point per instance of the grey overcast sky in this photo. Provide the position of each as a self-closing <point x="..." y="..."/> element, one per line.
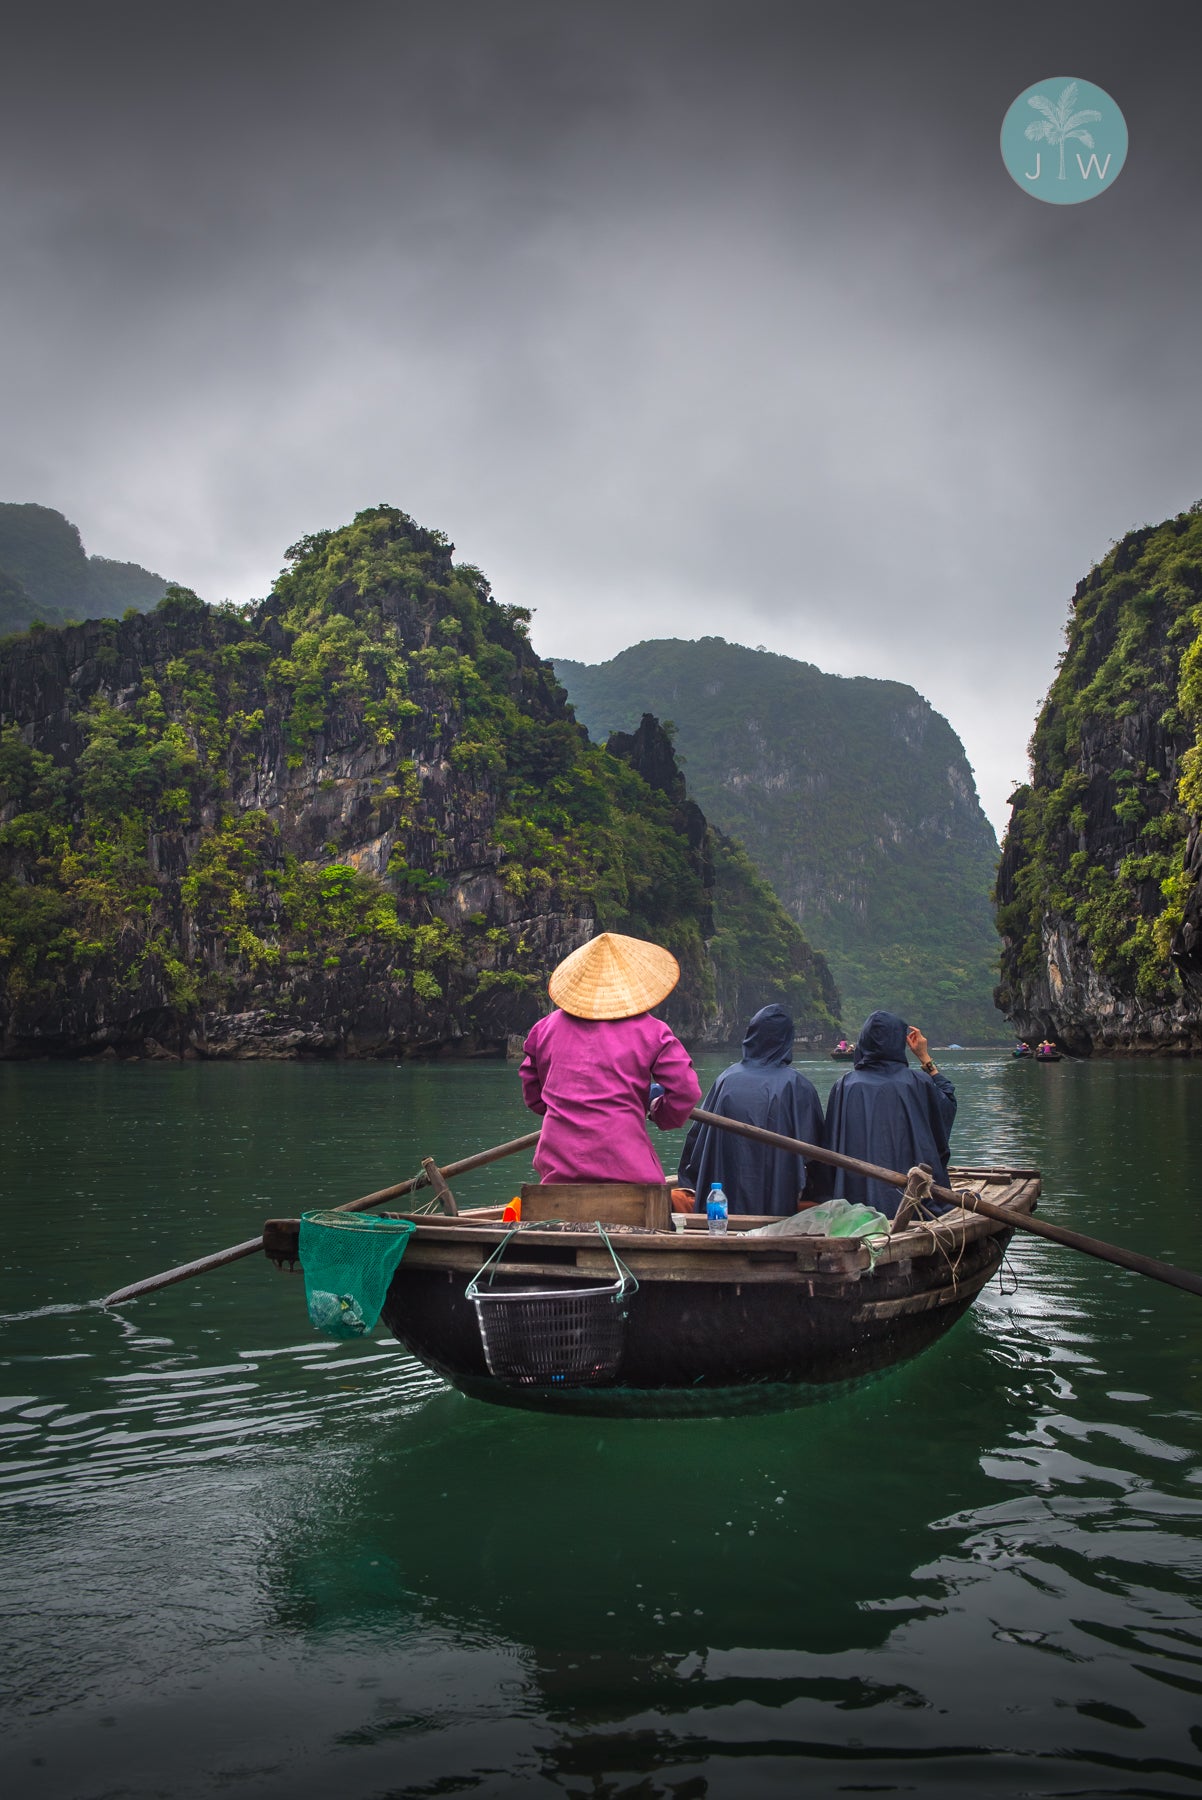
<point x="718" y="317"/>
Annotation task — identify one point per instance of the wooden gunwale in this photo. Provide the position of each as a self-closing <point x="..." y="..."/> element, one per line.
<point x="458" y="1245"/>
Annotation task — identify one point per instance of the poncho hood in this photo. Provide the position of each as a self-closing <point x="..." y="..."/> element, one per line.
<point x="769" y="1038"/>
<point x="762" y="1089"/>
<point x="882" y="1040"/>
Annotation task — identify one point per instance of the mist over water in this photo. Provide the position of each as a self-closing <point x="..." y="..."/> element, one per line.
<point x="237" y="1558"/>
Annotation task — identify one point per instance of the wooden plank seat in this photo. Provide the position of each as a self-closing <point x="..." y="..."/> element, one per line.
<point x="612" y="1202"/>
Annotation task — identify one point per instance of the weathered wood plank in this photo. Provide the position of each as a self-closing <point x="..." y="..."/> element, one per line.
<point x="955" y="1229"/>
<point x="678" y="1256"/>
<point x="613" y="1202"/>
<point x="459" y="1261"/>
<point x="965" y="1172"/>
<point x="927" y="1299"/>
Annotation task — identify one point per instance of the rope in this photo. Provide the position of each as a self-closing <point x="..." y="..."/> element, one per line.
<point x="433" y="1204"/>
<point x="919" y="1183"/>
<point x="922" y="1180"/>
<point x="1006" y="1272"/>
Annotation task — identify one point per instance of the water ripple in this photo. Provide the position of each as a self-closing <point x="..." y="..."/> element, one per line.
<point x="165" y="1418"/>
<point x="980" y="1575"/>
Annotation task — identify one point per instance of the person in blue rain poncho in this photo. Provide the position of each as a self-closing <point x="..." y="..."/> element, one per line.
<point x="762" y="1089"/>
<point x="885" y="1112"/>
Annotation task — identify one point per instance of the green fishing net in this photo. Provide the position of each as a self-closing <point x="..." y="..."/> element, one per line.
<point x="349" y="1260"/>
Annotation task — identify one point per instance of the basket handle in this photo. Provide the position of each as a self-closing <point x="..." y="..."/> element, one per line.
<point x="629" y="1282"/>
<point x="472" y="1288"/>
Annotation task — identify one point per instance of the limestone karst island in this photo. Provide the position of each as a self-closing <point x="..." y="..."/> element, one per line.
<point x="1098" y="901"/>
<point x="363" y="817"/>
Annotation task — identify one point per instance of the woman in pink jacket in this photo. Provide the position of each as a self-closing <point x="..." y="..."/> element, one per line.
<point x="590" y="1064"/>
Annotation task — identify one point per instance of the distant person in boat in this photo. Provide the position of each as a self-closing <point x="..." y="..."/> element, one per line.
<point x="885" y="1112"/>
<point x="1047" y="1049"/>
<point x="590" y="1065"/>
<point x="762" y="1089"/>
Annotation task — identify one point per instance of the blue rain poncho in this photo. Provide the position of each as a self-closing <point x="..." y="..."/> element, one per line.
<point x="762" y="1090"/>
<point x="887" y="1113"/>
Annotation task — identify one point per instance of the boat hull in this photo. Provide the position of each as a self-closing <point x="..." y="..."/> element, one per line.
<point x="734" y="1324"/>
<point x="686" y="1344"/>
<point x="789" y="1325"/>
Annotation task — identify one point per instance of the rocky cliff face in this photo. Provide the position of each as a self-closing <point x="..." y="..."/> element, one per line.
<point x="853" y="797"/>
<point x="357" y="819"/>
<point x="1098" y="888"/>
<point x="755" y="952"/>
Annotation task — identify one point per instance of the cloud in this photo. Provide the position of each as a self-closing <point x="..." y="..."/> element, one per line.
<point x="678" y="320"/>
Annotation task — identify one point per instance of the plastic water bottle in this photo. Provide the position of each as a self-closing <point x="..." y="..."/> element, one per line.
<point x="716" y="1210"/>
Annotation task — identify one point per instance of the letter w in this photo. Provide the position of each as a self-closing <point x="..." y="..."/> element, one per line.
<point x="1093" y="166"/>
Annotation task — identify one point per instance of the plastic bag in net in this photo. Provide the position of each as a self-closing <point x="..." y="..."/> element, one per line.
<point x="349" y="1260"/>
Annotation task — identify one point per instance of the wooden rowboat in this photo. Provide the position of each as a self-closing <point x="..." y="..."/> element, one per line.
<point x="718" y="1324"/>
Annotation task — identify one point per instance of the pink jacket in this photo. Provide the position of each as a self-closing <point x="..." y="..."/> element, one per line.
<point x="589" y="1078"/>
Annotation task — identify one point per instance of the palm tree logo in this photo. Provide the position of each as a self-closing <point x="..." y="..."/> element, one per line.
<point x="1059" y="122"/>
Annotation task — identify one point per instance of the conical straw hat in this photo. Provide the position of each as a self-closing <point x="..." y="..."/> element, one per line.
<point x="613" y="977"/>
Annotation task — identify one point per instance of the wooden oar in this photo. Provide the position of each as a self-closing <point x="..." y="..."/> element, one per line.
<point x="1057" y="1234"/>
<point x="235" y="1252"/>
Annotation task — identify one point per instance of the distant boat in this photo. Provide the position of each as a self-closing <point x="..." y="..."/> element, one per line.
<point x="843" y="1051"/>
<point x="1022" y="1050"/>
<point x="1048" y="1053"/>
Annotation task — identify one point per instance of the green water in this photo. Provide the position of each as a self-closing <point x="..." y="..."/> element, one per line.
<point x="237" y="1559"/>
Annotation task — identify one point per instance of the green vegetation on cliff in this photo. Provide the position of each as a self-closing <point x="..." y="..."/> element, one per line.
<point x="1097" y="838"/>
<point x="853" y="798"/>
<point x="359" y="814"/>
<point x="760" y="953"/>
<point x="756" y="952"/>
<point x="47" y="579"/>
